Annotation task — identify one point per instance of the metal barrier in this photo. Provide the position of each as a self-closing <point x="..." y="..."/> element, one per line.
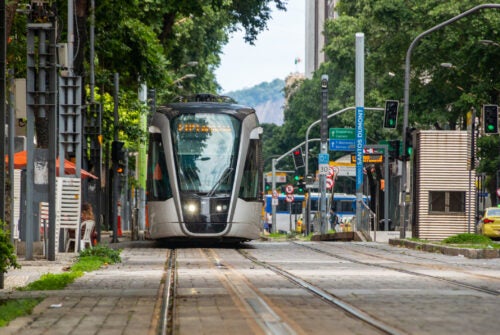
<point x="367" y="220"/>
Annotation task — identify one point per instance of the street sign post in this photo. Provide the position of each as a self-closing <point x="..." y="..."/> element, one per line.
<point x="323" y="164"/>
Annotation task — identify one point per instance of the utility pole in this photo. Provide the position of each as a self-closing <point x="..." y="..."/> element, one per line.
<point x="360" y="122"/>
<point x="116" y="178"/>
<point x="3" y="48"/>
<point x="324" y="157"/>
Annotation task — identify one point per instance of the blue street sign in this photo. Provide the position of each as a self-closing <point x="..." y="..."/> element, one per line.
<point x="323" y="158"/>
<point x="342" y="145"/>
<point x="360" y="125"/>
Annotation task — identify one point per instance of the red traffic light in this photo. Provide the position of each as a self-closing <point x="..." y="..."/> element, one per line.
<point x="297" y="158"/>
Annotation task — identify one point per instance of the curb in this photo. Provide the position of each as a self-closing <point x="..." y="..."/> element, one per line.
<point x="445" y="250"/>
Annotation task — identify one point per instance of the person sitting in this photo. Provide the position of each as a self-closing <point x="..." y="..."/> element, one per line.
<point x="87" y="213"/>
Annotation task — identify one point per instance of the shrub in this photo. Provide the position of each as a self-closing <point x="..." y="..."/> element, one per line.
<point x="8" y="257"/>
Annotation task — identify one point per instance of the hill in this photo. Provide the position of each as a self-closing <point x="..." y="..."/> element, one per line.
<point x="267" y="98"/>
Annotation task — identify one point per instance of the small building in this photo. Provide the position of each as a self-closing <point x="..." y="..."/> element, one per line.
<point x="443" y="185"/>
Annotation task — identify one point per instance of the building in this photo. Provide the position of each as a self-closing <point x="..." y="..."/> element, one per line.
<point x="443" y="185"/>
<point x="317" y="13"/>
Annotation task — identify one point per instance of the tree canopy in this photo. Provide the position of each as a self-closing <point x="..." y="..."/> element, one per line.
<point x="441" y="97"/>
<point x="147" y="41"/>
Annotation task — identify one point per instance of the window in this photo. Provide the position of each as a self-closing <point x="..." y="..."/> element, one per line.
<point x="249" y="189"/>
<point x="441" y="202"/>
<point x="158" y="180"/>
<point x="205" y="148"/>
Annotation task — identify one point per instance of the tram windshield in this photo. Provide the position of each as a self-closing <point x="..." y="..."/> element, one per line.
<point x="205" y="148"/>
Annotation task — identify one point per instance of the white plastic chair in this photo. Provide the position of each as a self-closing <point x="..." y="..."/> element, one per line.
<point x="87" y="227"/>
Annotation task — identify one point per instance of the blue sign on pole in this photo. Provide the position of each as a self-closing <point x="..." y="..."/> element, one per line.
<point x="323" y="158"/>
<point x="360" y="125"/>
<point x="342" y="145"/>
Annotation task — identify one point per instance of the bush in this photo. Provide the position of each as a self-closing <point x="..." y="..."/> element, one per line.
<point x="8" y="257"/>
<point x="109" y="256"/>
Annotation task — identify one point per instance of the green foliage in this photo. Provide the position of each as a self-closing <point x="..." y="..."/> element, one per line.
<point x="8" y="257"/>
<point x="88" y="260"/>
<point x="467" y="238"/>
<point x="50" y="281"/>
<point x="107" y="255"/>
<point x="439" y="95"/>
<point x="11" y="309"/>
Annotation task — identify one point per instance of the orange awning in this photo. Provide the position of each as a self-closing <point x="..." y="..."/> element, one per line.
<point x="21" y="159"/>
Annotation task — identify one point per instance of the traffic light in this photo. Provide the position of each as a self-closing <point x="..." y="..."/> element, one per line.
<point x="118" y="156"/>
<point x="297" y="158"/>
<point x="117" y="152"/>
<point x="490" y="119"/>
<point x="301" y="186"/>
<point x="268" y="187"/>
<point x="408" y="148"/>
<point x="391" y="114"/>
<point x="394" y="149"/>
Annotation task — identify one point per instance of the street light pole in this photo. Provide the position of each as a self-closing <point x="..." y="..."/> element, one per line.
<point x="273" y="177"/>
<point x="407" y="102"/>
<point x="323" y="152"/>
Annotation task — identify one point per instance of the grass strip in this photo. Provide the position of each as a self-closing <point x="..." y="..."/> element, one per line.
<point x="88" y="260"/>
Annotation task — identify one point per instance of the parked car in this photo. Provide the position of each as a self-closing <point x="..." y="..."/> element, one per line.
<point x="489" y="225"/>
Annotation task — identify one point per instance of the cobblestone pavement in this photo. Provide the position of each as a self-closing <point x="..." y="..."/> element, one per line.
<point x="123" y="298"/>
<point x="118" y="299"/>
<point x="380" y="282"/>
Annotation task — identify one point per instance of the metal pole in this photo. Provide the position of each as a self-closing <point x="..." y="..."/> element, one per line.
<point x="3" y="84"/>
<point x="273" y="187"/>
<point x="407" y="102"/>
<point x="360" y="122"/>
<point x="273" y="176"/>
<point x="116" y="177"/>
<point x="471" y="165"/>
<point x="323" y="151"/>
<point x="71" y="37"/>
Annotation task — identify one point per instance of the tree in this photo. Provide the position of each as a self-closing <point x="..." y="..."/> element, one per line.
<point x="8" y="257"/>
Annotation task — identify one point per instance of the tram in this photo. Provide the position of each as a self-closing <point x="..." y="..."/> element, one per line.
<point x="204" y="171"/>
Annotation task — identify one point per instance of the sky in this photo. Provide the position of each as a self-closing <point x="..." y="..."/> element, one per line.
<point x="273" y="55"/>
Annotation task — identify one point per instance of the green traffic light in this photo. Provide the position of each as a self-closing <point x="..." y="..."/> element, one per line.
<point x="296" y="178"/>
<point x="491" y="127"/>
<point x="391" y="122"/>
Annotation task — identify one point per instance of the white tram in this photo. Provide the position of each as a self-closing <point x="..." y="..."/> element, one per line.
<point x="204" y="171"/>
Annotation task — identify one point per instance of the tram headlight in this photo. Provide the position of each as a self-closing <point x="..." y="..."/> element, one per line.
<point x="221" y="208"/>
<point x="191" y="208"/>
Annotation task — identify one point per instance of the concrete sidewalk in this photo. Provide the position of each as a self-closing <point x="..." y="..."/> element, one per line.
<point x="32" y="270"/>
<point x="116" y="299"/>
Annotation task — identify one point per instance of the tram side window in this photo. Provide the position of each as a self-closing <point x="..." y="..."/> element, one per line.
<point x="158" y="178"/>
<point x="249" y="188"/>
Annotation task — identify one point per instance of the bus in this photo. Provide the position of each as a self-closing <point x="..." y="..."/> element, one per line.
<point x="288" y="213"/>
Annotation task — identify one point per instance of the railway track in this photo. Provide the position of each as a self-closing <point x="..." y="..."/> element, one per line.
<point x="320" y="288"/>
<point x="396" y="267"/>
<point x="256" y="306"/>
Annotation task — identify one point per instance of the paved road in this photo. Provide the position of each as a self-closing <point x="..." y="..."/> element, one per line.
<point x="220" y="291"/>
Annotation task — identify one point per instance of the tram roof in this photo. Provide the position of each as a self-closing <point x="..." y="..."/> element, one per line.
<point x="238" y="111"/>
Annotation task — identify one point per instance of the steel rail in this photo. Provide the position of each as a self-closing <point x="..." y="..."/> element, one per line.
<point x="352" y="310"/>
<point x="449" y="281"/>
<point x="168" y="298"/>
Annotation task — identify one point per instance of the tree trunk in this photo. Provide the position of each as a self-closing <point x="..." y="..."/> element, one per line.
<point x="11" y="8"/>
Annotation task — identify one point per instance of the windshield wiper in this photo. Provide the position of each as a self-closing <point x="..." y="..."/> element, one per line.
<point x="227" y="172"/>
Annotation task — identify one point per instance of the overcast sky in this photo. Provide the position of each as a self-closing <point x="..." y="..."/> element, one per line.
<point x="273" y="55"/>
